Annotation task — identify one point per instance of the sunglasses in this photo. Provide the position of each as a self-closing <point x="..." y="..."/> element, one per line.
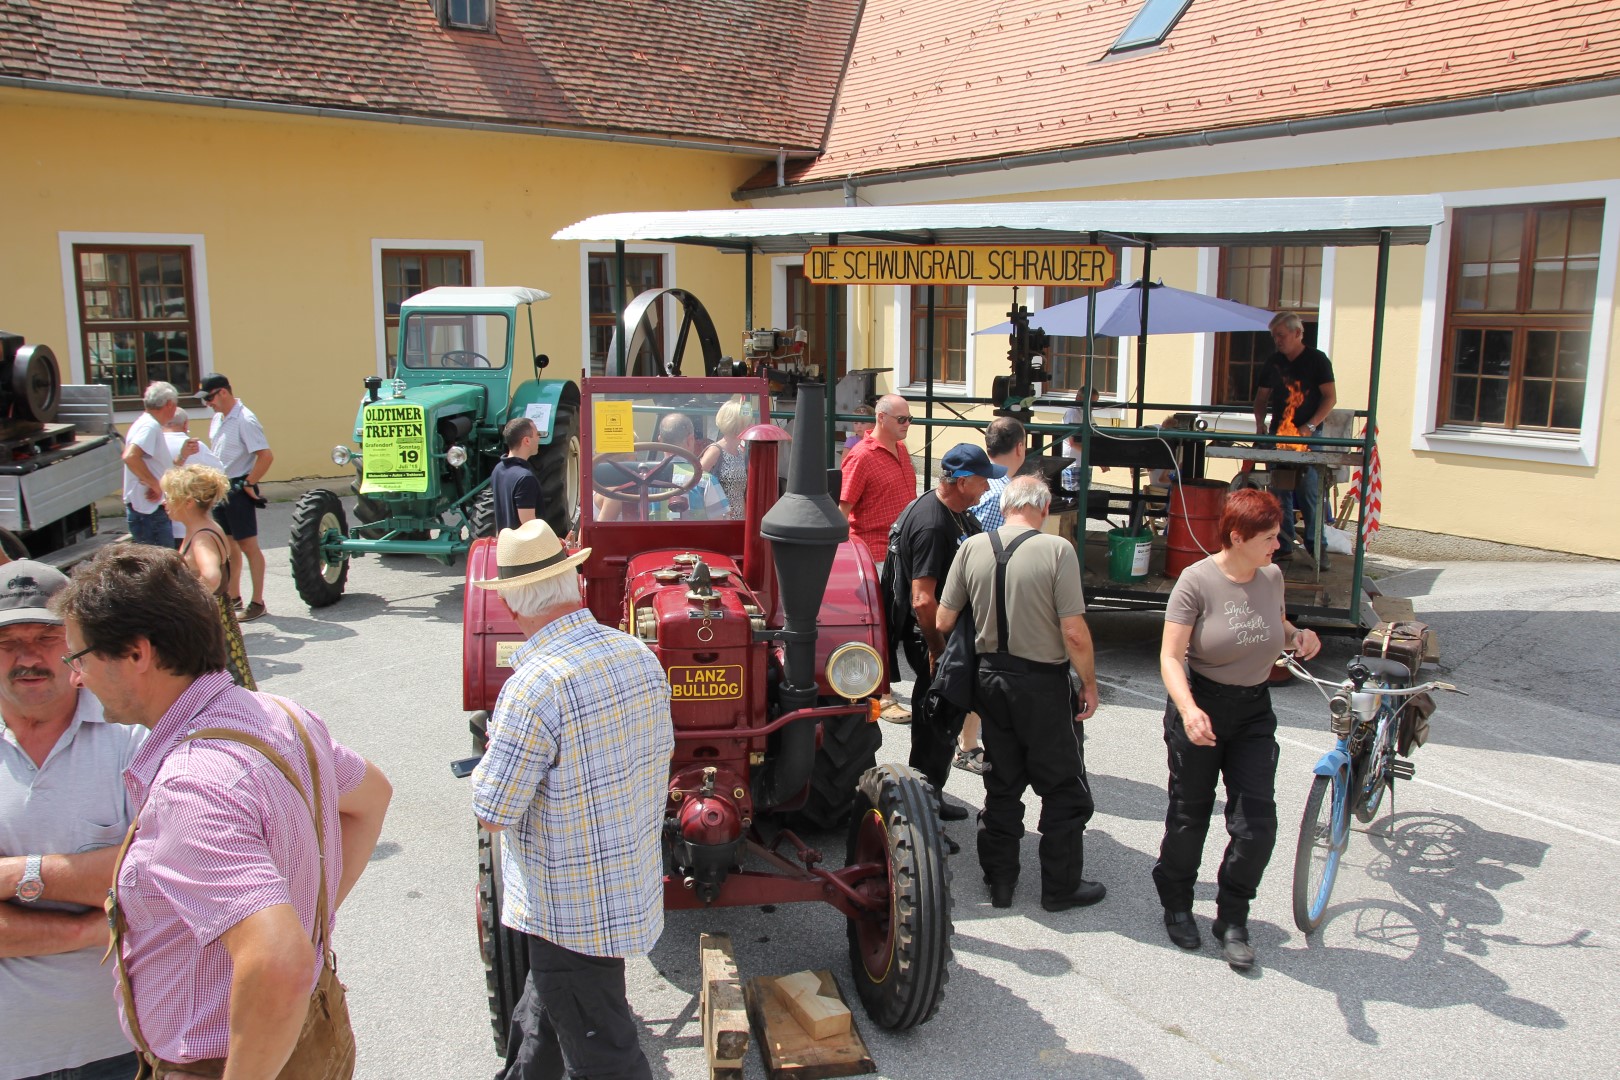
<point x="210" y="395"/>
<point x="901" y="420"/>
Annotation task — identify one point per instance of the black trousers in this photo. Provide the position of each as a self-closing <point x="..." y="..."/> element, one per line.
<point x="1245" y="757"/>
<point x="573" y="1020"/>
<point x="933" y="731"/>
<point x="1031" y="741"/>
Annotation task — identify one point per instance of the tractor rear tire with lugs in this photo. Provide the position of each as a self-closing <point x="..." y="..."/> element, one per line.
<point x="505" y="952"/>
<point x="556" y="464"/>
<point x="849" y="746"/>
<point x="318" y="581"/>
<point x="482" y="518"/>
<point x="900" y="964"/>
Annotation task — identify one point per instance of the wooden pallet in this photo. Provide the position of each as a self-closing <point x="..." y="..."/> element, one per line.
<point x="789" y="1053"/>
<point x="22" y="439"/>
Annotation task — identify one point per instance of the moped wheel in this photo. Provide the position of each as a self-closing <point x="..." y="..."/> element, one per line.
<point x="1323" y="833"/>
<point x="900" y="958"/>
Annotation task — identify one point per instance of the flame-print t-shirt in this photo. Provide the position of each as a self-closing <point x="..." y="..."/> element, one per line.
<point x="1238" y="629"/>
<point x="1296" y="386"/>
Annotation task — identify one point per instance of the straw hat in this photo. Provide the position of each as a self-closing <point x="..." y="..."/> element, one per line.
<point x="528" y="554"/>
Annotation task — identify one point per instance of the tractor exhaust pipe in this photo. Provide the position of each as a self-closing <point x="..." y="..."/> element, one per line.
<point x="805" y="528"/>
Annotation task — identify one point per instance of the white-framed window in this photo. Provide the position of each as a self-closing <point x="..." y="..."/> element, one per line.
<point x="401" y="268"/>
<point x="646" y="266"/>
<point x="1505" y="368"/>
<point x="137" y="310"/>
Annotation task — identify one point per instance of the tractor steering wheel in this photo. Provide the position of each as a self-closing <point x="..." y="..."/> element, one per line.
<point x="640" y="478"/>
<point x="464" y="358"/>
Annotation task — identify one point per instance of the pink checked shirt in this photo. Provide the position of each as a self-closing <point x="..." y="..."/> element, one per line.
<point x="222" y="835"/>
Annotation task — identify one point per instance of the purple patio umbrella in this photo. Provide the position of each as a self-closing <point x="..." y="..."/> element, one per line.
<point x="1119" y="314"/>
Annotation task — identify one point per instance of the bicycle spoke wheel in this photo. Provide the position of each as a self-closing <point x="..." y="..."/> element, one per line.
<point x="1323" y="832"/>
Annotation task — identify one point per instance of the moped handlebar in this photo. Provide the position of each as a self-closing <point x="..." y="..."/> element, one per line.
<point x="1291" y="662"/>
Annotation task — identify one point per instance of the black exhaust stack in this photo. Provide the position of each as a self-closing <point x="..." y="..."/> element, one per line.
<point x="805" y="528"/>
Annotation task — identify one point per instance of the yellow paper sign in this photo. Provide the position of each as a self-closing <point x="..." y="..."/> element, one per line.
<point x="961" y="264"/>
<point x="395" y="447"/>
<point x="615" y="427"/>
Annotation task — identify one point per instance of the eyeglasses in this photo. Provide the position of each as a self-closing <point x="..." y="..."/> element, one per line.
<point x="901" y="420"/>
<point x="71" y="660"/>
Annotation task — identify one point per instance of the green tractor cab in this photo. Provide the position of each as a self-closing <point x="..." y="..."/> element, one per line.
<point x="426" y="441"/>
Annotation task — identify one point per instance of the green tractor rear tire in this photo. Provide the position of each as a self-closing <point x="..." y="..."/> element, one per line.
<point x="482" y="517"/>
<point x="557" y="465"/>
<point x="318" y="581"/>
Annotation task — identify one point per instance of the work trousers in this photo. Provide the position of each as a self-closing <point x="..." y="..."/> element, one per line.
<point x="573" y="1020"/>
<point x="1245" y="757"/>
<point x="1307" y="497"/>
<point x="933" y="730"/>
<point x="1026" y="723"/>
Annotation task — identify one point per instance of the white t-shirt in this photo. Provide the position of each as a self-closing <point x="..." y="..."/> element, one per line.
<point x="147" y="434"/>
<point x="203" y="455"/>
<point x="236" y="437"/>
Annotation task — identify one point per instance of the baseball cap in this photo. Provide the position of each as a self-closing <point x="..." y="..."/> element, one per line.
<point x="26" y="587"/>
<point x="965" y="459"/>
<point x="214" y="382"/>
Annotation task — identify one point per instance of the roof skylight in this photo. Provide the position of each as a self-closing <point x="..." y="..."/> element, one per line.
<point x="1151" y="25"/>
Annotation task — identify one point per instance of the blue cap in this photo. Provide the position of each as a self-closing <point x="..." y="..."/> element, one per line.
<point x="965" y="459"/>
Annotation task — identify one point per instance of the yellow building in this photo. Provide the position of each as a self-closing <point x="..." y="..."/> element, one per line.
<point x="283" y="177"/>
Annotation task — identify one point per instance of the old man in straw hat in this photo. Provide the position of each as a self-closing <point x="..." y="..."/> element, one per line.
<point x="575" y="773"/>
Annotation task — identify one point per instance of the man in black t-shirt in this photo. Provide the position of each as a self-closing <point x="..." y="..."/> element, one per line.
<point x="517" y="489"/>
<point x="922" y="546"/>
<point x="1297" y="386"/>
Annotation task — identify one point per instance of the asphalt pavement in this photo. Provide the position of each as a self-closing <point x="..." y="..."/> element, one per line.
<point x="1472" y="931"/>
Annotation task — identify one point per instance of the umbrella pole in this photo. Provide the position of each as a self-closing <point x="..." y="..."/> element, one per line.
<point x="1141" y="382"/>
<point x="928" y="393"/>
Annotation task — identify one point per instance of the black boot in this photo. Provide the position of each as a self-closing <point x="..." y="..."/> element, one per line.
<point x="1062" y="860"/>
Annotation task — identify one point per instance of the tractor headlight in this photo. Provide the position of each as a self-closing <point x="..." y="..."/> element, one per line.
<point x="341" y="455"/>
<point x="854" y="670"/>
<point x="456" y="456"/>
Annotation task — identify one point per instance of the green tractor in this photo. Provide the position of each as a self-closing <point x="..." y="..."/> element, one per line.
<point x="427" y="440"/>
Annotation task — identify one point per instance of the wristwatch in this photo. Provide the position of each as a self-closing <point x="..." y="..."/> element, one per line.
<point x="32" y="886"/>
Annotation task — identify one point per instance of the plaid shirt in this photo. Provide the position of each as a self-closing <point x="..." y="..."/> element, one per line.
<point x="577" y="770"/>
<point x="988" y="508"/>
<point x="878" y="484"/>
<point x="222" y="835"/>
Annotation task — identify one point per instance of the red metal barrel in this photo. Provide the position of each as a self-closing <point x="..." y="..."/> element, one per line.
<point x="1195" y="517"/>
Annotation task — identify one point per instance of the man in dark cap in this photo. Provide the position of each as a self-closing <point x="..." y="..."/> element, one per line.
<point x="63" y="810"/>
<point x="238" y="440"/>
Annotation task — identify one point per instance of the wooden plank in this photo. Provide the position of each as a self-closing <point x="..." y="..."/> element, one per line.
<point x="822" y="1017"/>
<point x="721" y="1007"/>
<point x="790" y="1053"/>
<point x="1393" y="609"/>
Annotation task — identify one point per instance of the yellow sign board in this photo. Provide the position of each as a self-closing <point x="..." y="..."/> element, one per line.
<point x="716" y="682"/>
<point x="615" y="427"/>
<point x="961" y="264"/>
<point x="394" y="447"/>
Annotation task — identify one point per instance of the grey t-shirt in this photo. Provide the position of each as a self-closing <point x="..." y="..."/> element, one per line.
<point x="59" y="1010"/>
<point x="1237" y="629"/>
<point x="1043" y="586"/>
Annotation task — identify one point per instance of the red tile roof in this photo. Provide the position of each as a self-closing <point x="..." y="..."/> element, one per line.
<point x="753" y="72"/>
<point x="938" y="81"/>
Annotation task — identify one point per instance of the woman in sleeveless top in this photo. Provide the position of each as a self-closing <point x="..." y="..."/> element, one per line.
<point x="727" y="459"/>
<point x="190" y="493"/>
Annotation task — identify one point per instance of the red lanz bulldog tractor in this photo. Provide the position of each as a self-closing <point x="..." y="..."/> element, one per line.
<point x="773" y="673"/>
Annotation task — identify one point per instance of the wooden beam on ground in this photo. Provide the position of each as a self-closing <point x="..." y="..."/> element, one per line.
<point x="821" y="1017"/>
<point x="721" y="1007"/>
<point x="789" y="1051"/>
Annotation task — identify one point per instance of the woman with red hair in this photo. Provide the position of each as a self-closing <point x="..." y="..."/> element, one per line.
<point x="1223" y="630"/>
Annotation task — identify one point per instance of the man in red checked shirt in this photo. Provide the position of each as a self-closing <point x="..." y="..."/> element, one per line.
<point x="879" y="482"/>
<point x="217" y="890"/>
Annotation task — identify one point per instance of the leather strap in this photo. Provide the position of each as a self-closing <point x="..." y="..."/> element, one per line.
<point x="318" y="937"/>
<point x="1003" y="556"/>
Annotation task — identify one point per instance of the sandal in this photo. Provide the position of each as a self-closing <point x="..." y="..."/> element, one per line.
<point x="972" y="761"/>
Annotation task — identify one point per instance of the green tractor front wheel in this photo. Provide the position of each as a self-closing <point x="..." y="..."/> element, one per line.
<point x="318" y="578"/>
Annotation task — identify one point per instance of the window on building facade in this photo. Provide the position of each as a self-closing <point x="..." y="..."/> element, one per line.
<point x="642" y="272"/>
<point x="137" y="317"/>
<point x="1067" y="355"/>
<point x="406" y="273"/>
<point x="950" y="333"/>
<point x="1152" y="24"/>
<point x="469" y="14"/>
<point x="1519" y="316"/>
<point x="807" y="305"/>
<point x="1274" y="278"/>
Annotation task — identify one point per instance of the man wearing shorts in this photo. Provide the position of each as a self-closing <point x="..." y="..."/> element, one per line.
<point x="238" y="440"/>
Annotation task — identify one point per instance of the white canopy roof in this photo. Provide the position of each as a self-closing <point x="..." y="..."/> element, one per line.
<point x="1336" y="222"/>
<point x="472" y="297"/>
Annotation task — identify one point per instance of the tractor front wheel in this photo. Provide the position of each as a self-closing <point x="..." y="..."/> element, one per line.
<point x="319" y="580"/>
<point x="504" y="951"/>
<point x="900" y="959"/>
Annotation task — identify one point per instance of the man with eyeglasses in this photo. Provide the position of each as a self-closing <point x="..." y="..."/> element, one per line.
<point x="879" y="477"/>
<point x="238" y="440"/>
<point x="63" y="811"/>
